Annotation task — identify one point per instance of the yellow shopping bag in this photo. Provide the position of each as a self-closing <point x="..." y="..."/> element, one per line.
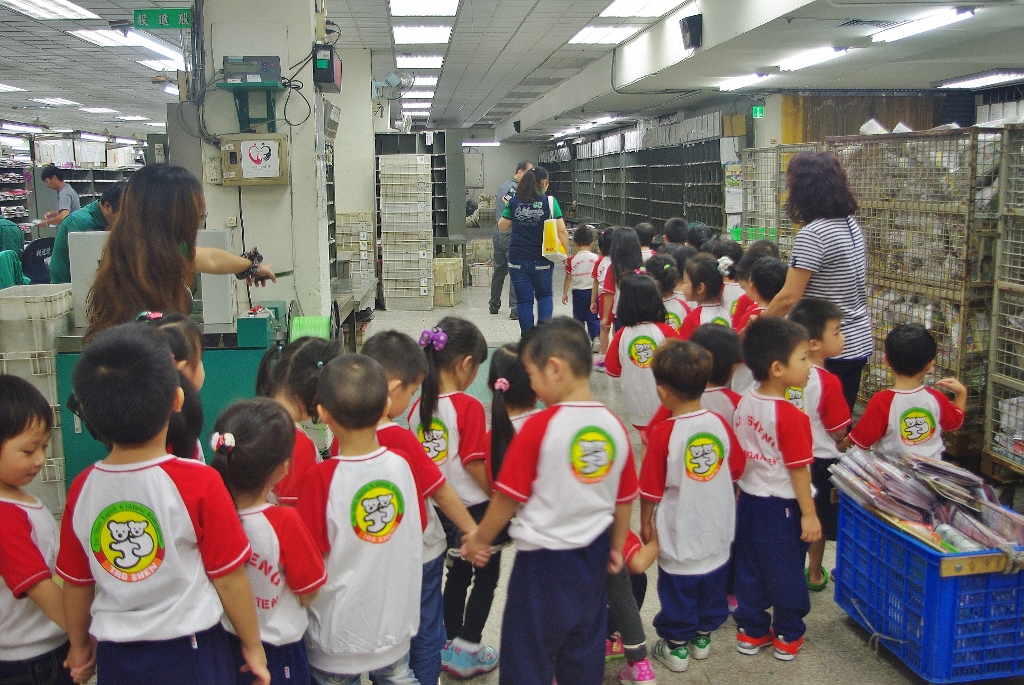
<point x="552" y="247"/>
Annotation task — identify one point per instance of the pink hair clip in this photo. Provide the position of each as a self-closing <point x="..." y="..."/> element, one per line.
<point x="149" y="316"/>
<point x="501" y="385"/>
<point x="641" y="270"/>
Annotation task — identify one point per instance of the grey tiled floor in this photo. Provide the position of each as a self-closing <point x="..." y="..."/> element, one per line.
<point x="836" y="649"/>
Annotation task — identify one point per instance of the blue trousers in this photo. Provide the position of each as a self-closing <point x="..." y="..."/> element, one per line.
<point x="581" y="312"/>
<point x="555" y="617"/>
<point x="425" y="650"/>
<point x="45" y="669"/>
<point x="200" y="659"/>
<point x="288" y="664"/>
<point x="530" y="280"/>
<point x="770" y="567"/>
<point x="691" y="604"/>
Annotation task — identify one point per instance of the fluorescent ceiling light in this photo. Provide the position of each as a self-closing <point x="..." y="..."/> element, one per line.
<point x="12" y="89"/>
<point x="126" y="141"/>
<point x="810" y="58"/>
<point x="428" y="81"/>
<point x="62" y="130"/>
<point x="49" y="9"/>
<point x="133" y="117"/>
<point x="929" y="23"/>
<point x="93" y="137"/>
<point x="641" y="8"/>
<point x="604" y="35"/>
<point x="416" y="104"/>
<point x="478" y="143"/>
<point x="97" y="110"/>
<point x="742" y="81"/>
<point x="416" y="113"/>
<point x="18" y="143"/>
<point x="417" y="95"/>
<point x="406" y="35"/>
<point x="20" y="128"/>
<point x="108" y="38"/>
<point x="57" y="102"/>
<point x="171" y="89"/>
<point x="989" y="78"/>
<point x="419" y="8"/>
<point x="419" y="61"/>
<point x="156" y="123"/>
<point x="162" y="64"/>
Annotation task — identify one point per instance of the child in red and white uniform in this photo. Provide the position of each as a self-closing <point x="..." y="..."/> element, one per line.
<point x="569" y="479"/>
<point x="252" y="444"/>
<point x="363" y="509"/>
<point x="631" y="352"/>
<point x="288" y="375"/>
<point x="663" y="269"/>
<point x="775" y="515"/>
<point x="151" y="545"/>
<point x="32" y="637"/>
<point x="691" y="461"/>
<point x="728" y="253"/>
<point x="742" y="269"/>
<point x="452" y="427"/>
<point x="645" y="233"/>
<point x="579" y="278"/>
<point x="767" y="277"/>
<point x="910" y="418"/>
<point x="626" y="260"/>
<point x="601" y="266"/>
<point x="702" y="283"/>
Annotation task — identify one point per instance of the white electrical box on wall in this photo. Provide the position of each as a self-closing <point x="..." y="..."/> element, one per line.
<point x="254" y="159"/>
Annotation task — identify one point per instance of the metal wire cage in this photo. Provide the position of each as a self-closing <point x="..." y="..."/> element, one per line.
<point x="929" y="212"/>
<point x="764" y="194"/>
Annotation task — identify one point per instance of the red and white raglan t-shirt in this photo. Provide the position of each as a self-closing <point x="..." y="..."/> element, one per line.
<point x="569" y="466"/>
<point x="743" y="320"/>
<point x="519" y="420"/>
<point x="429" y="480"/>
<point x="580" y="268"/>
<point x="632" y="545"/>
<point x="823" y="401"/>
<point x="285" y="564"/>
<point x="609" y="288"/>
<point x="28" y="551"/>
<point x="151" y="536"/>
<point x="721" y="401"/>
<point x="701" y="315"/>
<point x="731" y="293"/>
<point x="676" y="312"/>
<point x="898" y="422"/>
<point x="601" y="267"/>
<point x="630" y="355"/>
<point x="743" y="305"/>
<point x="775" y="437"/>
<point x="304" y="457"/>
<point x="690" y="465"/>
<point x="456" y="437"/>
<point x="362" y="513"/>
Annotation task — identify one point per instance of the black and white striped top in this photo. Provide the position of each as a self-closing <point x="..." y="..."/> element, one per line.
<point x="833" y="249"/>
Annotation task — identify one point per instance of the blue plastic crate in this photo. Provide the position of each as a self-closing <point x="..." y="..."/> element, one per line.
<point x="947" y="630"/>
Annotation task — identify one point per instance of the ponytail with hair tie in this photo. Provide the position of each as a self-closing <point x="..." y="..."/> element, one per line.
<point x="724" y="264"/>
<point x="501" y="385"/>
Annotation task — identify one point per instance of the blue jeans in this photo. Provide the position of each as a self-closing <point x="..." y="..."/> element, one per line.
<point x="425" y="650"/>
<point x="581" y="312"/>
<point x="397" y="673"/>
<point x="532" y="279"/>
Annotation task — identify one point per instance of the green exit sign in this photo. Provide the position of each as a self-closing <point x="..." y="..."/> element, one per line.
<point x="164" y="19"/>
<point x="757" y="112"/>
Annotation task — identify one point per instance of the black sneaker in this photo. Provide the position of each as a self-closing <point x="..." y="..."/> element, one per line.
<point x="514" y="315"/>
<point x="493" y="311"/>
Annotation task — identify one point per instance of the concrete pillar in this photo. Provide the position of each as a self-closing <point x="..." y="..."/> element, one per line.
<point x="353" y="147"/>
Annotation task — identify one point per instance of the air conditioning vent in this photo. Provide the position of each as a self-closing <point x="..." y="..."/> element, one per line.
<point x="867" y="23"/>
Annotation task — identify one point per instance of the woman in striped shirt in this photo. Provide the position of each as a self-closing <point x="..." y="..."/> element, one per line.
<point x="829" y="260"/>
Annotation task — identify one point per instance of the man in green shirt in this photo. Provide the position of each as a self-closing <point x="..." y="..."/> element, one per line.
<point x="95" y="216"/>
<point x="11" y="237"/>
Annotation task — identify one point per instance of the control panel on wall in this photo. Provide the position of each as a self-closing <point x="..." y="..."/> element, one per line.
<point x="253" y="159"/>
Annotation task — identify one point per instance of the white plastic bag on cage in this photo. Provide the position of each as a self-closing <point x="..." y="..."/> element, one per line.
<point x="1011" y="415"/>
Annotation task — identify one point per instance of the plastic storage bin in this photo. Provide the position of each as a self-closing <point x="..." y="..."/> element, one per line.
<point x="944" y="620"/>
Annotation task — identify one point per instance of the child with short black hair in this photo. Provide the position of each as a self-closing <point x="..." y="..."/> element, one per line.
<point x="405" y="367"/>
<point x="289" y="376"/>
<point x="698" y="233"/>
<point x="823" y="401"/>
<point x="724" y="346"/>
<point x="754" y="252"/>
<point x="702" y="283"/>
<point x="682" y="474"/>
<point x="359" y="507"/>
<point x="911" y="417"/>
<point x="767" y="277"/>
<point x="579" y="277"/>
<point x="728" y="253"/>
<point x="663" y="269"/>
<point x="775" y="515"/>
<point x="569" y="479"/>
<point x="645" y="232"/>
<point x="33" y="644"/>
<point x="166" y="550"/>
<point x="252" y="446"/>
<point x="675" y="231"/>
<point x="631" y="351"/>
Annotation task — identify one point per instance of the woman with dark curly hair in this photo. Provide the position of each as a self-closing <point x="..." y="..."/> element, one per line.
<point x="829" y="259"/>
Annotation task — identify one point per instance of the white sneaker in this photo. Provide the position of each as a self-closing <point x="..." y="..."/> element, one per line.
<point x="676" y="660"/>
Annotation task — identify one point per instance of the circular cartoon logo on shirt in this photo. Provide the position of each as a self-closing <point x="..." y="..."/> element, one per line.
<point x="127" y="541"/>
<point x="377" y="509"/>
<point x="641" y="351"/>
<point x="435" y="440"/>
<point x="719" y="321"/>
<point x="795" y="396"/>
<point x="673" y="320"/>
<point x="592" y="453"/>
<point x="732" y="307"/>
<point x="704" y="456"/>
<point x="917" y="425"/>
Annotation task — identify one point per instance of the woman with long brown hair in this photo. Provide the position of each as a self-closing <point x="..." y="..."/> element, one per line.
<point x="150" y="260"/>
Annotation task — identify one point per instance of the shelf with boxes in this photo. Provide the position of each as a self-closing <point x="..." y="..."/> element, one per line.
<point x="15" y="194"/>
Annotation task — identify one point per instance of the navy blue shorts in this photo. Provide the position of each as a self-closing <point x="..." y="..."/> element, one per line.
<point x="200" y="659"/>
<point x="287" y="663"/>
<point x="45" y="669"/>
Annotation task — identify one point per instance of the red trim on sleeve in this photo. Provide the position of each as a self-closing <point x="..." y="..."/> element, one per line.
<point x="632" y="546"/>
<point x="874" y="422"/>
<point x="951" y="417"/>
<point x="471" y="422"/>
<point x="21" y="564"/>
<point x="654" y="468"/>
<point x="690" y="324"/>
<point x="609" y="281"/>
<point x="312" y="506"/>
<point x="612" y="362"/>
<point x="793" y="431"/>
<point x="72" y="561"/>
<point x="301" y="561"/>
<point x="304" y="458"/>
<point x="597" y="265"/>
<point x="743" y="305"/>
<point x="734" y="397"/>
<point x="519" y="469"/>
<point x="832" y="407"/>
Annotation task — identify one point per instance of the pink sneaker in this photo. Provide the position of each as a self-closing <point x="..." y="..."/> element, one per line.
<point x="613" y="648"/>
<point x="639" y="672"/>
<point x="599" y="364"/>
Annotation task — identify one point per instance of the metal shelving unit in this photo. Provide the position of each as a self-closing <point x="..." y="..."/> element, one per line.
<point x="14" y="191"/>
